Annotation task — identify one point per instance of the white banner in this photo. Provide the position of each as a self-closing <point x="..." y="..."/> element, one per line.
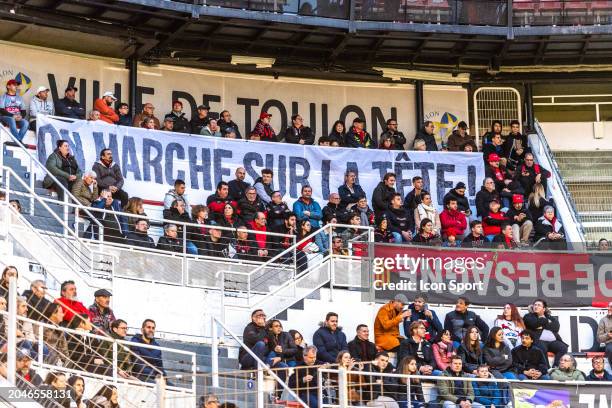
<point x="152" y="160"/>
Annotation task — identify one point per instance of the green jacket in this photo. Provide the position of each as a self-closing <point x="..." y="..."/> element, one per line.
<point x="61" y="168"/>
<point x="574" y="375"/>
<point x="82" y="193"/>
<point x="448" y="392"/>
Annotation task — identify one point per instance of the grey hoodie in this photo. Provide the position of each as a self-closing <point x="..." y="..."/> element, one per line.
<point x="38" y="106"/>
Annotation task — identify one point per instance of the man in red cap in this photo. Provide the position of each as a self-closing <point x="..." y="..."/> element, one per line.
<point x="12" y="110"/>
<point x="263" y="128"/>
<point x="520" y="220"/>
<point x="503" y="181"/>
<point x="181" y="124"/>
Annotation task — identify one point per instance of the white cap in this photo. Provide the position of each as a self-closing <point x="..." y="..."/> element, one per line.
<point x="109" y="93"/>
<point x="41" y="89"/>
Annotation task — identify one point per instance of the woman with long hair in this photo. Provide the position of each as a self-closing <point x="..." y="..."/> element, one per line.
<point x="537" y="201"/>
<point x="498" y="355"/>
<point x="443" y="349"/>
<point x="298" y="339"/>
<point x="408" y="366"/>
<point x="106" y="397"/>
<point x="308" y="247"/>
<point x="229" y="219"/>
<point x="381" y="232"/>
<point x="470" y="350"/>
<point x="8" y="272"/>
<point x="337" y="133"/>
<point x="55" y="384"/>
<point x="426" y="234"/>
<point x="76" y="384"/>
<point x="135" y="205"/>
<point x="346" y="361"/>
<point x="512" y="325"/>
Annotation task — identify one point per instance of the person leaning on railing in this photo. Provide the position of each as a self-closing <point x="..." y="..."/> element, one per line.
<point x="139" y="237"/>
<point x="305" y="378"/>
<point x="109" y="219"/>
<point x="153" y="365"/>
<point x="456" y="394"/>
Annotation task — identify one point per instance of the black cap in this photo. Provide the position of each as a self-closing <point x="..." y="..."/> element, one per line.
<point x="71" y="88"/>
<point x="169" y="117"/>
<point x="102" y="292"/>
<point x="205" y="107"/>
<point x="459" y="185"/>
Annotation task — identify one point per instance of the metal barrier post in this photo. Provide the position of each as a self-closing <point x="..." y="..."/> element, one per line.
<point x="115" y="361"/>
<point x="319" y="387"/>
<point x="343" y="400"/>
<point x="41" y="345"/>
<point x="260" y="384"/>
<point x="31" y="185"/>
<point x="408" y="392"/>
<point x="12" y="331"/>
<point x="214" y="354"/>
<point x="160" y="391"/>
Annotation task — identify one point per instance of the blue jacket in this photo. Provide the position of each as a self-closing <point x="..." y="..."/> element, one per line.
<point x="432" y="325"/>
<point x="487" y="393"/>
<point x="592" y="377"/>
<point x="329" y="344"/>
<point x="316" y="214"/>
<point x="152" y="356"/>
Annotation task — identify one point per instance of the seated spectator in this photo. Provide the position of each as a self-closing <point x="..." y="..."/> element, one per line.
<point x="470" y="351"/>
<point x="8" y="272"/>
<point x="237" y="187"/>
<point x="401" y="220"/>
<point x="281" y="348"/>
<point x="567" y="370"/>
<point x="259" y="227"/>
<point x="305" y="379"/>
<point x="419" y="145"/>
<point x="419" y="311"/>
<point x="545" y="328"/>
<point x="214" y="244"/>
<point x="386" y="143"/>
<point x="505" y="239"/>
<point x="298" y="339"/>
<point x="383" y="387"/>
<point x="168" y="125"/>
<point x="469" y="147"/>
<point x="211" y="129"/>
<point x="104" y="105"/>
<point x="461" y="318"/>
<point x="603" y="245"/>
<point x="139" y="237"/>
<point x="225" y="122"/>
<point x="529" y="174"/>
<point x="245" y="249"/>
<point x="148" y="123"/>
<point x="16" y="204"/>
<point x="177" y="214"/>
<point x="458" y="193"/>
<point x="150" y="364"/>
<point x="333" y="209"/>
<point x="528" y="361"/>
<point x="196" y="233"/>
<point x="70" y="306"/>
<point x="397" y="137"/>
<point x="307" y="246"/>
<point x="68" y="106"/>
<point x="118" y="331"/>
<point x="324" y="141"/>
<point x="427" y="210"/>
<point x="549" y="231"/>
<point x="277" y="210"/>
<point x="54" y="339"/>
<point x="26" y="375"/>
<point x="216" y="202"/>
<point x="254" y="337"/>
<point x="307" y="209"/>
<point x="493" y="221"/>
<point x="329" y="339"/>
<point x="358" y="137"/>
<point x="496" y="129"/>
<point x="177" y="193"/>
<point x="63" y="166"/>
<point x="82" y="350"/>
<point x="337" y="133"/>
<point x="408" y="367"/>
<point x="504" y="184"/>
<point x="511" y="324"/>
<point x="55" y="386"/>
<point x="520" y="220"/>
<point x="109" y="176"/>
<point x="484" y="197"/>
<point x="100" y="312"/>
<point x="426" y="134"/>
<point x="228" y="133"/>
<point x="443" y="349"/>
<point x="452" y="221"/>
<point x="415" y="345"/>
<point x="498" y="355"/>
<point x="198" y="122"/>
<point x="263" y="129"/>
<point x="599" y="372"/>
<point x="13" y="111"/>
<point x="495" y="147"/>
<point x="123" y="112"/>
<point x="265" y="186"/>
<point x="426" y="235"/>
<point x="229" y="220"/>
<point x="381" y="232"/>
<point x="381" y="197"/>
<point x="475" y="238"/>
<point x="297" y="133"/>
<point x="169" y="241"/>
<point x="85" y="189"/>
<point x="366" y="215"/>
<point x="37" y="302"/>
<point x="76" y="385"/>
<point x="181" y="124"/>
<point x="147" y="112"/>
<point x="93" y="116"/>
<point x="487" y="394"/>
<point x="456" y="394"/>
<point x="415" y="196"/>
<point x="40" y="104"/>
<point x="107" y="396"/>
<point x="458" y="138"/>
<point x="250" y="205"/>
<point x="135" y="205"/>
<point x="604" y="333"/>
<point x="25" y="331"/>
<point x="387" y="321"/>
<point x="338" y="247"/>
<point x="537" y="202"/>
<point x="350" y="192"/>
<point x="113" y="230"/>
<point x="289" y="228"/>
<point x="361" y="348"/>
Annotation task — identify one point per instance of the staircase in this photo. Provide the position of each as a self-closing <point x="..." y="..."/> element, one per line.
<point x="588" y="176"/>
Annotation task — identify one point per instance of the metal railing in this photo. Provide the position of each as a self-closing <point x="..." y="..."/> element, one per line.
<point x="578" y="100"/>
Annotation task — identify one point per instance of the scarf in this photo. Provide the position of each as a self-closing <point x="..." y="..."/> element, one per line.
<point x="363" y="216"/>
<point x="360" y="134"/>
<point x="499" y="174"/>
<point x="427" y="211"/>
<point x="107" y="163"/>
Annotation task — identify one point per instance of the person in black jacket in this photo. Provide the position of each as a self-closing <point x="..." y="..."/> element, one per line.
<point x="545" y="328"/>
<point x="399" y="140"/>
<point x="516" y="146"/>
<point x="333" y="209"/>
<point x="125" y="117"/>
<point x="470" y="350"/>
<point x="37" y="302"/>
<point x="475" y="238"/>
<point x="416" y="345"/>
<point x="415" y="196"/>
<point x="350" y="192"/>
<point x="458" y="193"/>
<point x="599" y="373"/>
<point x="337" y="133"/>
<point x="250" y="205"/>
<point x="200" y="120"/>
<point x="305" y="378"/>
<point x="281" y="347"/>
<point x="484" y="197"/>
<point x="170" y="242"/>
<point x="529" y="174"/>
<point x="244" y="248"/>
<point x="237" y="187"/>
<point x="528" y="361"/>
<point x="279" y="244"/>
<point x="298" y="133"/>
<point x="381" y="197"/>
<point x="277" y="211"/>
<point x="550" y="231"/>
<point x="214" y="244"/>
<point x="181" y="124"/>
<point x="225" y="122"/>
<point x="461" y="318"/>
<point x="68" y="107"/>
<point x="177" y="213"/>
<point x="380" y="386"/>
<point x="495" y="147"/>
<point x="426" y="134"/>
<point x="401" y="220"/>
<point x="139" y="237"/>
<point x="254" y="337"/>
<point x="419" y="311"/>
<point x="361" y="348"/>
<point x="520" y="219"/>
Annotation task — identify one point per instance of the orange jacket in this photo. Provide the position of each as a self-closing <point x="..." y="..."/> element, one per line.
<point x="386" y="327"/>
<point x="107" y="113"/>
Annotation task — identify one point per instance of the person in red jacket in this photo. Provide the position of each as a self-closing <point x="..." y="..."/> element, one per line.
<point x="258" y="225"/>
<point x="453" y="221"/>
<point x="492" y="222"/>
<point x="104" y="106"/>
<point x="68" y="302"/>
<point x="216" y="202"/>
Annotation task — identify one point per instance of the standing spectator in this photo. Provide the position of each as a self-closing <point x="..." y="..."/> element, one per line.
<point x="498" y="355"/>
<point x="415" y="196"/>
<point x="104" y="105"/>
<point x="426" y="134"/>
<point x="153" y="364"/>
<point x="420" y="311"/>
<point x="496" y="129"/>
<point x="529" y="174"/>
<point x="250" y="205"/>
<point x="456" y="393"/>
<point x="604" y="333"/>
<point x="225" y="122"/>
<point x="338" y="133"/>
<point x="415" y="345"/>
<point x="399" y="140"/>
<point x="277" y="210"/>
<point x="169" y="124"/>
<point x="13" y="111"/>
<point x="68" y="106"/>
<point x="443" y="349"/>
<point x="361" y="348"/>
<point x="110" y="176"/>
<point x="545" y="328"/>
<point x="40" y="104"/>
<point x="458" y="193"/>
<point x="211" y="129"/>
<point x="125" y="117"/>
<point x="307" y="209"/>
<point x="516" y="145"/>
<point x="70" y="306"/>
<point x="199" y="121"/>
<point x="520" y="220"/>
<point x="487" y="394"/>
<point x="263" y="129"/>
<point x="401" y="220"/>
<point x="599" y="373"/>
<point x="85" y="189"/>
<point x="537" y="202"/>
<point x="358" y="137"/>
<point x="461" y="318"/>
<point x="265" y="186"/>
<point x="305" y="379"/>
<point x="297" y="133"/>
<point x="550" y="231"/>
<point x="426" y="210"/>
<point x="288" y="227"/>
<point x="109" y="219"/>
<point x="37" y="302"/>
<point x="329" y="339"/>
<point x="147" y="112"/>
<point x="350" y="192"/>
<point x="216" y="202"/>
<point x="178" y="194"/>
<point x="254" y="337"/>
<point x="100" y="312"/>
<point x="567" y="370"/>
<point x="169" y="241"/>
<point x="383" y="193"/>
<point x="259" y="227"/>
<point x="452" y="221"/>
<point x="139" y="237"/>
<point x="459" y="138"/>
<point x="511" y="324"/>
<point x="486" y="194"/>
<point x="505" y="240"/>
<point x="493" y="221"/>
<point x="64" y="167"/>
<point x="470" y="350"/>
<point x="386" y="325"/>
<point x="238" y="186"/>
<point x="528" y="361"/>
<point x="181" y="124"/>
<point x="306" y="247"/>
<point x="494" y="148"/>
